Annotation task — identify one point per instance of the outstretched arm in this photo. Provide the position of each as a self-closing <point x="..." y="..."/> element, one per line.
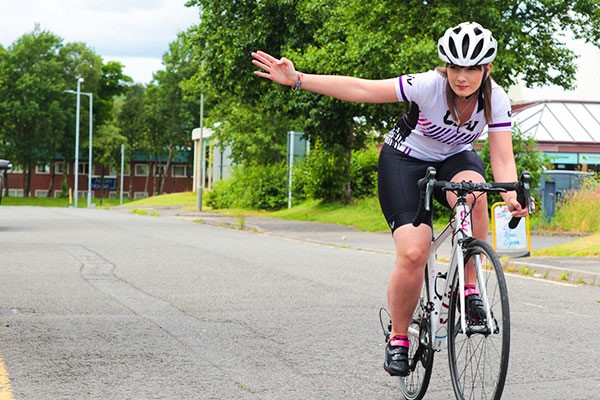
<point x="346" y="88"/>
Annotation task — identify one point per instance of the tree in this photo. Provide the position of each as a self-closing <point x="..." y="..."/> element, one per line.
<point x="170" y="114"/>
<point x="32" y="101"/>
<point x="130" y="121"/>
<point x="251" y="116"/>
<point x="78" y="61"/>
<point x="107" y="149"/>
<point x="37" y="116"/>
<point x="371" y="39"/>
<point x="526" y="158"/>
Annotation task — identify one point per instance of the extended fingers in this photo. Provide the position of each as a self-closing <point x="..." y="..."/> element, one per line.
<point x="263" y="60"/>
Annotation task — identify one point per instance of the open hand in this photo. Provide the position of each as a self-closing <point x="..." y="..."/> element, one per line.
<point x="278" y="70"/>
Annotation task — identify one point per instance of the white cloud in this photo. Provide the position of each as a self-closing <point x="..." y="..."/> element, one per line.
<point x="139" y="68"/>
<point x="125" y="30"/>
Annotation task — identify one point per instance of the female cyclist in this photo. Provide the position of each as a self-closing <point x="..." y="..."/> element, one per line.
<point x="451" y="107"/>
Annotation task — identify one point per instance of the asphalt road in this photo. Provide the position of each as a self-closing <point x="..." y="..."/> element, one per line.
<point x="105" y="305"/>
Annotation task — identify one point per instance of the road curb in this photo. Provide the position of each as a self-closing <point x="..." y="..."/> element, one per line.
<point x="555" y="273"/>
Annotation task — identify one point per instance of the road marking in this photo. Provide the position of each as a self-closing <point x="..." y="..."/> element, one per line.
<point x="5" y="388"/>
<point x="550" y="281"/>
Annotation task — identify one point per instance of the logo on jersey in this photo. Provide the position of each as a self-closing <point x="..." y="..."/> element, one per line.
<point x="470" y="125"/>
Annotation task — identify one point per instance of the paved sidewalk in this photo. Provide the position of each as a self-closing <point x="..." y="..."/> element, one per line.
<point x="569" y="269"/>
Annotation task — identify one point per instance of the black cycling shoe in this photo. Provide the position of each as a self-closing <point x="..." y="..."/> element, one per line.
<point x="396" y="359"/>
<point x="475" y="308"/>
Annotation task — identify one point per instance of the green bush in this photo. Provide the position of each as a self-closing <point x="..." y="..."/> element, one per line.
<point x="222" y="194"/>
<point x="363" y="172"/>
<point x="260" y="187"/>
<point x="322" y="176"/>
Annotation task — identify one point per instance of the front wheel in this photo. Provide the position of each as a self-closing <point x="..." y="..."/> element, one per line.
<point x="478" y="358"/>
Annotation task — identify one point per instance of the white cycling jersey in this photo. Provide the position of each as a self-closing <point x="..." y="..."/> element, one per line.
<point x="436" y="136"/>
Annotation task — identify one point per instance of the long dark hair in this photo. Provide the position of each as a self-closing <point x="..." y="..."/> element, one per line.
<point x="486" y="96"/>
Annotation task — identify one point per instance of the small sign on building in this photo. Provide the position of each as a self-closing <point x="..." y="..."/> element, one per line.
<point x="109" y="183"/>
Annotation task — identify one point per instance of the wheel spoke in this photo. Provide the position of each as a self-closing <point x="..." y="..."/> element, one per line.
<point x="478" y="358"/>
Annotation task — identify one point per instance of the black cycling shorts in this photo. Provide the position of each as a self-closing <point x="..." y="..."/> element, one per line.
<point x="398" y="176"/>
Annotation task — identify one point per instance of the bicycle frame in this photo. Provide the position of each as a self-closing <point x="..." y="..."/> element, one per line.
<point x="439" y="303"/>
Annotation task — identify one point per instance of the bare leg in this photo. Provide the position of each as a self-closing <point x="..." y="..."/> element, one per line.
<point x="404" y="285"/>
<point x="479" y="215"/>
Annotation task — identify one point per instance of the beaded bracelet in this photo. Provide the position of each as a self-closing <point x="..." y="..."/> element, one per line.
<point x="298" y="84"/>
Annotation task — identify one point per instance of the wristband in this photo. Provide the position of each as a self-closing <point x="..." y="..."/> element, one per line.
<point x="298" y="84"/>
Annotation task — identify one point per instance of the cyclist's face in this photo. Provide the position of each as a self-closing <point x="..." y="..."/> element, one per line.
<point x="465" y="81"/>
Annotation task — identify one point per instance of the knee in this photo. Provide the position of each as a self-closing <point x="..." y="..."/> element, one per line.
<point x="480" y="211"/>
<point x="413" y="257"/>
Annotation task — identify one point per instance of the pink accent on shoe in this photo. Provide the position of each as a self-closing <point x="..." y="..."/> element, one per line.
<point x="471" y="291"/>
<point x="396" y="341"/>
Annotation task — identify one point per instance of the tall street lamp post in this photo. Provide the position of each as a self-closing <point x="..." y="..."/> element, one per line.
<point x="90" y="165"/>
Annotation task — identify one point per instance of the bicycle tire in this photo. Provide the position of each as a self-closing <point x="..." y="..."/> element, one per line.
<point x="479" y="360"/>
<point x="420" y="353"/>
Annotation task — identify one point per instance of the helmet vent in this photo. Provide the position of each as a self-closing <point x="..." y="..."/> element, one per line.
<point x="441" y="50"/>
<point x="490" y="53"/>
<point x="453" y="48"/>
<point x="465" y="45"/>
<point x="477" y="49"/>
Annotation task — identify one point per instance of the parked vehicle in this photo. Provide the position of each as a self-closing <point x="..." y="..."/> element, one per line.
<point x="5" y="165"/>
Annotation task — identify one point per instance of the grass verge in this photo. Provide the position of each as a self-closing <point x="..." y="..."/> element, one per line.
<point x="588" y="246"/>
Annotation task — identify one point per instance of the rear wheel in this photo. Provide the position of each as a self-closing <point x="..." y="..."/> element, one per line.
<point x="478" y="358"/>
<point x="420" y="353"/>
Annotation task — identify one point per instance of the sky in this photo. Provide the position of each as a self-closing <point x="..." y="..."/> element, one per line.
<point x="587" y="80"/>
<point x="135" y="32"/>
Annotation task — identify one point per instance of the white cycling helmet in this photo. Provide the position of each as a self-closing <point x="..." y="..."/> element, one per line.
<point x="467" y="44"/>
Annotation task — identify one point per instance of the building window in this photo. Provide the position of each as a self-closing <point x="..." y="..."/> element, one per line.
<point x="41" y="193"/>
<point x="42" y="169"/>
<point x="159" y="170"/>
<point x="140" y="195"/>
<point x="16" y="170"/>
<point x="141" y="169"/>
<point x="114" y="171"/>
<point x="179" y="171"/>
<point x="15" y="192"/>
<point x="84" y="168"/>
<point x="61" y="167"/>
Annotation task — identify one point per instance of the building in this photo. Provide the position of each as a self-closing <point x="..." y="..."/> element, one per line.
<point x="565" y="123"/>
<point x="567" y="131"/>
<point x="52" y="179"/>
<point x="216" y="159"/>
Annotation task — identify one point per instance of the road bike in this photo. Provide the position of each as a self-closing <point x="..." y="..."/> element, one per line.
<point x="478" y="350"/>
<point x="5" y="165"/>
